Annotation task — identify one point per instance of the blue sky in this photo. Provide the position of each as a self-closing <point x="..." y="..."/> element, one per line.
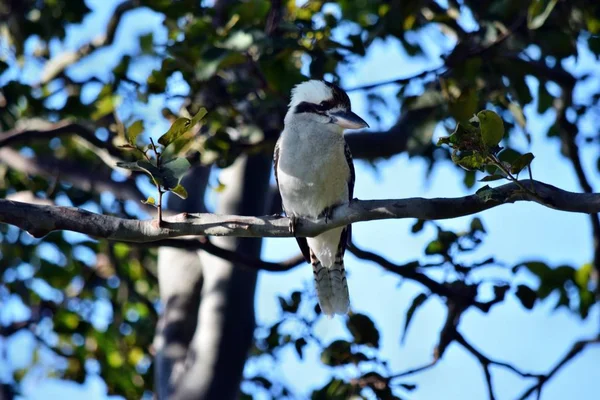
<point x="533" y="340"/>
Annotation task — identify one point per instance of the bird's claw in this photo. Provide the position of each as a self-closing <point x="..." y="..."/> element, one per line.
<point x="293" y="223"/>
<point x="328" y="213"/>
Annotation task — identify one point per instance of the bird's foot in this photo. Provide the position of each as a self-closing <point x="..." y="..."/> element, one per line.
<point x="327" y="213"/>
<point x="293" y="224"/>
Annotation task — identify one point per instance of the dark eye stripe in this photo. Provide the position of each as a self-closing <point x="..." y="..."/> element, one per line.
<point x="340" y="100"/>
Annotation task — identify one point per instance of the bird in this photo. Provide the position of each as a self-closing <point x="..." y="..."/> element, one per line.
<point x="314" y="173"/>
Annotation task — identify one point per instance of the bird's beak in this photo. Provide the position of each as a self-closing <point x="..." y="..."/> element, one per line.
<point x="348" y="120"/>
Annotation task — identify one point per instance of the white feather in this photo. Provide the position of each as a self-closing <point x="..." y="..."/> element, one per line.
<point x="312" y="91"/>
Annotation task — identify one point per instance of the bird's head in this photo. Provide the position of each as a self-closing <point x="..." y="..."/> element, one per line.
<point x="323" y="102"/>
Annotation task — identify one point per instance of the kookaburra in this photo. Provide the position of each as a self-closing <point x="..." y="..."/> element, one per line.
<point x="314" y="173"/>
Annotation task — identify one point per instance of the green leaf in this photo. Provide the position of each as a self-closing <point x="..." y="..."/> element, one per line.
<point x="491" y="178"/>
<point x="134" y="131"/>
<point x="491" y="126"/>
<point x="416" y="303"/>
<point x="538" y="268"/>
<point x="172" y="172"/>
<point x="181" y="126"/>
<point x="527" y="296"/>
<point x="473" y="161"/>
<point x="178" y="128"/>
<point x="337" y="353"/>
<point x="521" y="162"/>
<point x="465" y="106"/>
<point x="464" y="137"/>
<point x="144" y="166"/>
<point x="477" y="225"/>
<point x="180" y="191"/>
<point x="363" y="330"/>
<point x="199" y="115"/>
<point x="538" y="12"/>
<point x="105" y="106"/>
<point x="583" y="275"/>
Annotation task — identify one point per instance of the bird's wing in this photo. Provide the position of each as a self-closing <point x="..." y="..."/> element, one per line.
<point x="347" y="233"/>
<point x="301" y="241"/>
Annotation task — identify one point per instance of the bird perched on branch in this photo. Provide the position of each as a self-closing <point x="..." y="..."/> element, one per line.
<point x="314" y="173"/>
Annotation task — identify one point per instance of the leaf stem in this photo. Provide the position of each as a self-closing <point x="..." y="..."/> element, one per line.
<point x="494" y="159"/>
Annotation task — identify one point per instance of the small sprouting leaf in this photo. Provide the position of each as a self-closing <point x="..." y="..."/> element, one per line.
<point x="527" y="296"/>
<point x="150" y="201"/>
<point x="491" y="178"/>
<point x="416" y="303"/>
<point x="464" y="137"/>
<point x="180" y="191"/>
<point x="474" y="161"/>
<point x="521" y="163"/>
<point x="127" y="147"/>
<point x="363" y="330"/>
<point x="538" y="12"/>
<point x="491" y="126"/>
<point x="134" y="131"/>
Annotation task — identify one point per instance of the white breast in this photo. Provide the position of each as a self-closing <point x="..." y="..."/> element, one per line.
<point x="312" y="170"/>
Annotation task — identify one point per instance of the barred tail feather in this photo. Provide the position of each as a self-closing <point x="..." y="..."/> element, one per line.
<point x="331" y="286"/>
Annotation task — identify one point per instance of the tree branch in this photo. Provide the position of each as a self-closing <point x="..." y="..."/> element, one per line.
<point x="40" y="220"/>
<point x="577" y="348"/>
<point x="34" y="130"/>
<point x="235" y="257"/>
<point x="57" y="65"/>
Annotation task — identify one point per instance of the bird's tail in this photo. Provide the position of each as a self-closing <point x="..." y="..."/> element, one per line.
<point x="331" y="285"/>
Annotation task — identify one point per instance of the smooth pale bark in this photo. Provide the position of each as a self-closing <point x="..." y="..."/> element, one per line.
<point x="226" y="319"/>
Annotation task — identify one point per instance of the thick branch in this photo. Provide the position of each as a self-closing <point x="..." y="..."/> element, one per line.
<point x="40" y="220"/>
<point x="80" y="176"/>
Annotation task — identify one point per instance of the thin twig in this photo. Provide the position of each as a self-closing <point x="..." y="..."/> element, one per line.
<point x="577" y="348"/>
